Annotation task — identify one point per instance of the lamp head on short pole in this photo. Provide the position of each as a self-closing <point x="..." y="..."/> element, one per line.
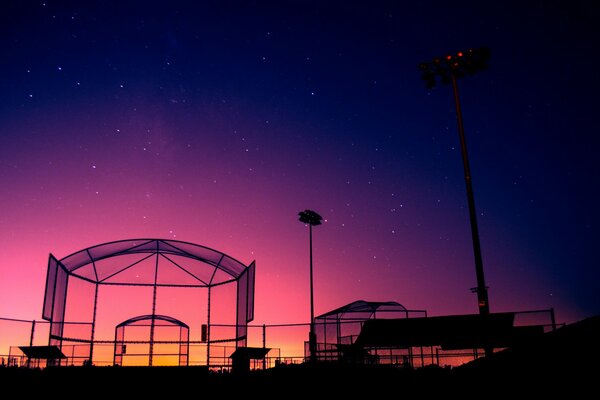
<point x="310" y="217"/>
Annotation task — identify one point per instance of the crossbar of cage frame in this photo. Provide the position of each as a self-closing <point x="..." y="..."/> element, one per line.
<point x="75" y="340"/>
<point x="553" y="324"/>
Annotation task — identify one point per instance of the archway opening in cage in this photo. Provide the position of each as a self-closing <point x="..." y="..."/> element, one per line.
<point x="167" y="284"/>
<point x="152" y="340"/>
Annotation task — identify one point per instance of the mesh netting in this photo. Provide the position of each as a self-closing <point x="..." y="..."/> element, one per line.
<point x="156" y="277"/>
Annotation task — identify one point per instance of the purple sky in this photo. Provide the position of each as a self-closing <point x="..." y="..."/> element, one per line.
<point x="217" y="123"/>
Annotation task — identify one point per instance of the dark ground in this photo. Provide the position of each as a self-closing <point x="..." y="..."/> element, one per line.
<point x="564" y="362"/>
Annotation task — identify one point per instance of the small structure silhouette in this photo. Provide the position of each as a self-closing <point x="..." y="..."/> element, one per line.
<point x="387" y="333"/>
<point x="37" y="356"/>
<point x="338" y="329"/>
<point x="242" y="356"/>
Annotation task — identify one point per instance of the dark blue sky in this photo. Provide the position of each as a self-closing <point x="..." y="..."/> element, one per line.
<point x="312" y="104"/>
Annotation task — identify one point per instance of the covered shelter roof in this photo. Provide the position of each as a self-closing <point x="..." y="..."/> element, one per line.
<point x="363" y="309"/>
<point x="449" y="331"/>
<point x="42" y="352"/>
<point x="136" y="261"/>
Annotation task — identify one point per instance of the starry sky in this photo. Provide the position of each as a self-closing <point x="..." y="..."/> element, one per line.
<point x="216" y="122"/>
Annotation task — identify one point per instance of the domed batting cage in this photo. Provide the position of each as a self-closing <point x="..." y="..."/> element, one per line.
<point x="148" y="302"/>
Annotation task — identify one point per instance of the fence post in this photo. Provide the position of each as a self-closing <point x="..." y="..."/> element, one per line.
<point x="264" y="345"/>
<point x="32" y="333"/>
<point x="208" y="331"/>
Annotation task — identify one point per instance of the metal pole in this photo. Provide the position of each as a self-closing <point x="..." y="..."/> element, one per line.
<point x="264" y="332"/>
<point x="153" y="320"/>
<point x="482" y="294"/>
<point x="208" y="332"/>
<point x="327" y="354"/>
<point x="32" y="333"/>
<point x="31" y="340"/>
<point x="93" y="324"/>
<point x="311" y="336"/>
<point x="115" y="350"/>
<point x="432" y="359"/>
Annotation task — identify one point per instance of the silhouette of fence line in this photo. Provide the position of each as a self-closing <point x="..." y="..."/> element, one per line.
<point x="288" y="344"/>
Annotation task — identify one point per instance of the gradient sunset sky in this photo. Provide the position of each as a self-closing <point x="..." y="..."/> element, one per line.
<point x="217" y="122"/>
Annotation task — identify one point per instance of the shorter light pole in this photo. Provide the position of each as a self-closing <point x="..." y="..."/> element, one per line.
<point x="312" y="219"/>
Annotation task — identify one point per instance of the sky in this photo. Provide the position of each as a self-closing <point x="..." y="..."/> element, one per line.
<point x="216" y="122"/>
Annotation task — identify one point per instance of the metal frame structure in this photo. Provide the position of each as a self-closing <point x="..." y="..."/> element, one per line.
<point x="340" y="327"/>
<point x="193" y="266"/>
<point x="161" y="322"/>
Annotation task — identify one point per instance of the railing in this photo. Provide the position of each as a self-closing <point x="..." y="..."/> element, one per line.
<point x="337" y="335"/>
<point x="284" y="340"/>
<point x="287" y="342"/>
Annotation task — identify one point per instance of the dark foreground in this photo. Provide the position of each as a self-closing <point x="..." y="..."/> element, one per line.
<point x="564" y="362"/>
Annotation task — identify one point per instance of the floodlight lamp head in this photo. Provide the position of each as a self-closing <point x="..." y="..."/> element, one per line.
<point x="310" y="217"/>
